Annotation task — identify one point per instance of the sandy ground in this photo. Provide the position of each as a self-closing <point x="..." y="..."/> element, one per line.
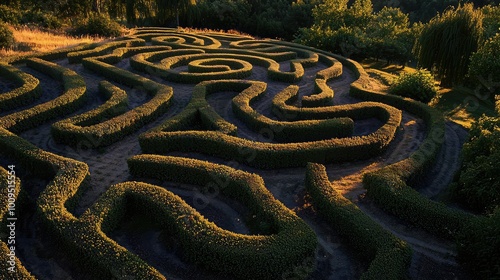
<point x="433" y="258"/>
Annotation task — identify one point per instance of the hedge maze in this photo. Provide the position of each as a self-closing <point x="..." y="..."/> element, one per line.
<point x="173" y="127"/>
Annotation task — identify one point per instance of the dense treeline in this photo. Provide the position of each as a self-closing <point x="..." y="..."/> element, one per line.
<point x="266" y="18"/>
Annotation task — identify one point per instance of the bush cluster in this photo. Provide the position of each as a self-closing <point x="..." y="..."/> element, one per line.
<point x="284" y="131"/>
<point x="478" y="184"/>
<point x="98" y="25"/>
<point x="6" y="36"/>
<point x="419" y="85"/>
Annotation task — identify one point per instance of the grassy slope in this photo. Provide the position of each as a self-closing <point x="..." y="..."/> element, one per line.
<point x="29" y="41"/>
<point x="459" y="104"/>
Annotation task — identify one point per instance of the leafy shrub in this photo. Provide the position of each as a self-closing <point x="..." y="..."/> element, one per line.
<point x="6" y="36"/>
<point x="485" y="63"/>
<point x="28" y="88"/>
<point x="478" y="185"/>
<point x="419" y="86"/>
<point x="479" y="247"/>
<point x="98" y="25"/>
<point x="42" y="19"/>
<point x="9" y="15"/>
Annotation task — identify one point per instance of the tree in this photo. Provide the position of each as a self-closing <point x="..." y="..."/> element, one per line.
<point x="391" y="36"/>
<point x="485" y="65"/>
<point x="447" y="42"/>
<point x="491" y="21"/>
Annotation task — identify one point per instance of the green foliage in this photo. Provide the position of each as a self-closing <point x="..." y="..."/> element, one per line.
<point x="29" y="88"/>
<point x="491" y="20"/>
<point x="390" y="257"/>
<point x="72" y="98"/>
<point x="479" y="247"/>
<point x="285" y="243"/>
<point x="6" y="196"/>
<point x="391" y="36"/>
<point x="447" y="42"/>
<point x="6" y="36"/>
<point x="45" y="19"/>
<point x="9" y="15"/>
<point x="98" y="25"/>
<point x="478" y="185"/>
<point x="222" y="14"/>
<point x="418" y="85"/>
<point x="355" y="31"/>
<point x="485" y="63"/>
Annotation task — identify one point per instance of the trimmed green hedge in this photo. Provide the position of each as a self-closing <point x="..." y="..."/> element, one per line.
<point x="334" y="69"/>
<point x="80" y="238"/>
<point x="76" y="57"/>
<point x="389" y="256"/>
<point x="29" y="88"/>
<point x="269" y="155"/>
<point x="52" y="55"/>
<point x="322" y="95"/>
<point x="72" y="98"/>
<point x="288" y="242"/>
<point x="297" y="131"/>
<point x="112" y="121"/>
<point x="175" y="58"/>
<point x="6" y="195"/>
<point x="196" y="41"/>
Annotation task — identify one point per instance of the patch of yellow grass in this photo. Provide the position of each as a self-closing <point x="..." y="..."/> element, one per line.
<point x="33" y="40"/>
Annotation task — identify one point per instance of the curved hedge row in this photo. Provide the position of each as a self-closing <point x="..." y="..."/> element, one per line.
<point x="6" y="195"/>
<point x="388" y="186"/>
<point x="268" y="256"/>
<point x="269" y="155"/>
<point x="180" y="43"/>
<point x="76" y="57"/>
<point x="52" y="55"/>
<point x="112" y="121"/>
<point x="297" y="131"/>
<point x="72" y="98"/>
<point x="90" y="248"/>
<point x="171" y="59"/>
<point x="322" y="95"/>
<point x="120" y="53"/>
<point x="389" y="256"/>
<point x="29" y="88"/>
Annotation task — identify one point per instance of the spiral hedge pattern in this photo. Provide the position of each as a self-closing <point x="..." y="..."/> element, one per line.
<point x="156" y="92"/>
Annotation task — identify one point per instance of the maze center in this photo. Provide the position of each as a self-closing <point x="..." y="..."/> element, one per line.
<point x="168" y="154"/>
